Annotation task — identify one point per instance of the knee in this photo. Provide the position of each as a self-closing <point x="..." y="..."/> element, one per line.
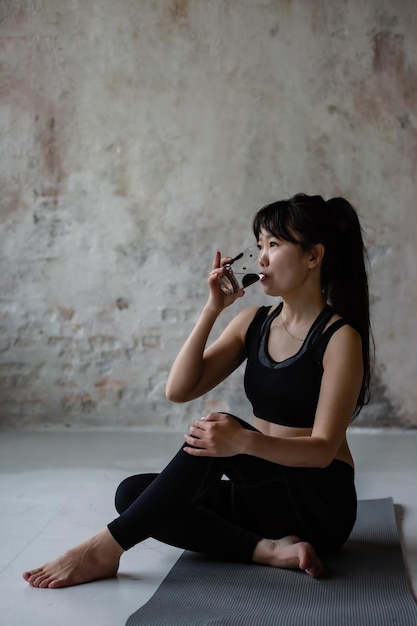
<point x="130" y="489"/>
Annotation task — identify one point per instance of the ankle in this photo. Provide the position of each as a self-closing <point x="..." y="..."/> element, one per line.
<point x="264" y="552"/>
<point x="103" y="542"/>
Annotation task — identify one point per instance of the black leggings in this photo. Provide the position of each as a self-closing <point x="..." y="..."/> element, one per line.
<point x="188" y="505"/>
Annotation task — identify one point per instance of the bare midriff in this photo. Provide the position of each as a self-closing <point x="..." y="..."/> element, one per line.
<point x="277" y="430"/>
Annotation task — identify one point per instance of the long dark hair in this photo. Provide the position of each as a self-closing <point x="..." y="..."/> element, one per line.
<point x="309" y="220"/>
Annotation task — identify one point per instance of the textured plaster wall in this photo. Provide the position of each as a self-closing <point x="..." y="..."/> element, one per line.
<point x="138" y="136"/>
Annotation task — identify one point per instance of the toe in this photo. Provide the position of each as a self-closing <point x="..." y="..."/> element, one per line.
<point x="40" y="580"/>
<point x="57" y="584"/>
<point x="31" y="574"/>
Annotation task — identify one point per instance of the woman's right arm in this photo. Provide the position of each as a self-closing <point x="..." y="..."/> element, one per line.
<point x="198" y="369"/>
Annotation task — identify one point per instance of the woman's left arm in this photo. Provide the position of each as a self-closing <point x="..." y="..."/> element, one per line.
<point x="220" y="435"/>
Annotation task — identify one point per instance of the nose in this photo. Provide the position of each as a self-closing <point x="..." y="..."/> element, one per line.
<point x="263" y="258"/>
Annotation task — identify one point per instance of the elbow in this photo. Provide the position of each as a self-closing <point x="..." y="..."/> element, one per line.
<point x="174" y="395"/>
<point x="325" y="455"/>
<point x="326" y="459"/>
<point x="175" y="398"/>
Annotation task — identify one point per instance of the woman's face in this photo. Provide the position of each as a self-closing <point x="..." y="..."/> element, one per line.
<point x="283" y="263"/>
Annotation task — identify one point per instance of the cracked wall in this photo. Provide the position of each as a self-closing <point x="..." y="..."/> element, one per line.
<point x="139" y="137"/>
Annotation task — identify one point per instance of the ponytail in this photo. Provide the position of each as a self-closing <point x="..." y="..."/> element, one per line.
<point x="309" y="220"/>
<point x="345" y="281"/>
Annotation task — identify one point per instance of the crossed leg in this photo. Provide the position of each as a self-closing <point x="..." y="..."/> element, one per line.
<point x="151" y="512"/>
<point x="98" y="558"/>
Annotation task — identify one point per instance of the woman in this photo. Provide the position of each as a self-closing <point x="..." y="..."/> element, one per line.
<point x="290" y="494"/>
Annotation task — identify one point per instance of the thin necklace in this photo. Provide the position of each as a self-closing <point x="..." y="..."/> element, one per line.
<point x="288" y="332"/>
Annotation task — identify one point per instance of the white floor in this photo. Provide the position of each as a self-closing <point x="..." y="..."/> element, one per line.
<point x="56" y="489"/>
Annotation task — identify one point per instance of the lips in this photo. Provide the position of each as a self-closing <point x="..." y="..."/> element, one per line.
<point x="262" y="277"/>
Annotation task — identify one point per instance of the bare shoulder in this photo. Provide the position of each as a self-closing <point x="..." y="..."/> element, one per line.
<point x="346" y="330"/>
<point x="230" y="343"/>
<point x="241" y="322"/>
<point x="247" y="315"/>
<point x="345" y="343"/>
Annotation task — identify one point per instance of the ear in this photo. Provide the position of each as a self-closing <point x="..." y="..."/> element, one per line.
<point x="316" y="255"/>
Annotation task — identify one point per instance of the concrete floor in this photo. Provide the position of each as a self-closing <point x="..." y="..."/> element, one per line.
<point x="57" y="489"/>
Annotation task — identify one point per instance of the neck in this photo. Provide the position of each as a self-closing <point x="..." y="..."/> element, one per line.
<point x="296" y="323"/>
<point x="301" y="311"/>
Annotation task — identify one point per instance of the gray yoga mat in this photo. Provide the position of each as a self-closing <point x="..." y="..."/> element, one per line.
<point x="365" y="585"/>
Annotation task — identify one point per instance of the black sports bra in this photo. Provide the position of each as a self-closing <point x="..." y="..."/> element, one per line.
<point x="286" y="392"/>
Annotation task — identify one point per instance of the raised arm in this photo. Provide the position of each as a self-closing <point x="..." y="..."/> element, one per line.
<point x="198" y="369"/>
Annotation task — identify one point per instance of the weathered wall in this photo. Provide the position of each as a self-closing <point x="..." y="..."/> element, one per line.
<point x="138" y="136"/>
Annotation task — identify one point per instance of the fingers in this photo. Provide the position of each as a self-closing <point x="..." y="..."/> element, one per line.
<point x="197" y="427"/>
<point x="199" y="444"/>
<point x="217" y="259"/>
<point x="201" y="432"/>
<point x="219" y="298"/>
<point x="197" y="451"/>
<point x="195" y="433"/>
<point x="214" y="417"/>
<point x="214" y="435"/>
<point x="215" y="273"/>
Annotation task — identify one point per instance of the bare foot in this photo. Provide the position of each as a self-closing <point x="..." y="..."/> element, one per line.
<point x="96" y="558"/>
<point x="289" y="553"/>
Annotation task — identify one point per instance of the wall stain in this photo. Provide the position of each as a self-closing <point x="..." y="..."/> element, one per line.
<point x="47" y="138"/>
<point x="380" y="412"/>
<point x="178" y="10"/>
<point x="274" y="31"/>
<point x="48" y="141"/>
<point x="122" y="303"/>
<point x="388" y="53"/>
<point x="65" y="313"/>
<point x="11" y="199"/>
<point x="388" y="93"/>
